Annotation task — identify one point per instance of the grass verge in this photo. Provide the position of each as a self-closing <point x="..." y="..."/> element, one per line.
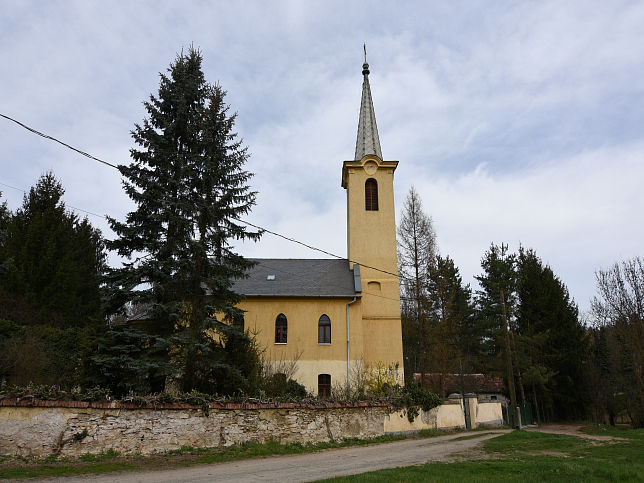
<point x="111" y="461"/>
<point x="530" y="456"/>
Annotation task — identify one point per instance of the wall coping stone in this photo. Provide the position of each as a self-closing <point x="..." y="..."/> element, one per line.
<point x="39" y="403"/>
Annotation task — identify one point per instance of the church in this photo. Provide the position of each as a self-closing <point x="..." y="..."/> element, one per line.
<point x="329" y="318"/>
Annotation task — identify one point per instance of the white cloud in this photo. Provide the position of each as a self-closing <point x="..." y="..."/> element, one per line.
<point x="517" y="122"/>
<point x="578" y="213"/>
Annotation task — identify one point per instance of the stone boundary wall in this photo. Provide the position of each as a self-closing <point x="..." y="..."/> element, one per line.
<point x="33" y="428"/>
<point x="320" y="404"/>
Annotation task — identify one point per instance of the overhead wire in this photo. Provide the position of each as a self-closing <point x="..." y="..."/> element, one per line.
<point x="73" y="207"/>
<point x="311" y="247"/>
<point x="58" y="141"/>
<point x="274" y="233"/>
<point x="300" y="277"/>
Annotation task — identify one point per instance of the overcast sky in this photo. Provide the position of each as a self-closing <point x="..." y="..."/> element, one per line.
<point x="517" y="122"/>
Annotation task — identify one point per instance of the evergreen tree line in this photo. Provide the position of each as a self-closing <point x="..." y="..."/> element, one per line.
<point x="172" y="317"/>
<point x="51" y="264"/>
<point x="522" y="325"/>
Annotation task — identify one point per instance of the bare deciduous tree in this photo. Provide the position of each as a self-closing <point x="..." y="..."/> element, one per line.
<point x="619" y="307"/>
<point x="416" y="252"/>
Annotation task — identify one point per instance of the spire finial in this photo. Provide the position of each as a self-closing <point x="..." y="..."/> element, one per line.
<point x="368" y="141"/>
<point x="365" y="66"/>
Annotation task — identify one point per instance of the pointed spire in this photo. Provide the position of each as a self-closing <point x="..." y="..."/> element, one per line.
<point x="368" y="141"/>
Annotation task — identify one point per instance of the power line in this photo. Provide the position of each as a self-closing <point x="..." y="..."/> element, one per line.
<point x="13" y="187"/>
<point x="315" y="248"/>
<point x="300" y="277"/>
<point x="73" y="207"/>
<point x="59" y="141"/>
<point x="293" y="240"/>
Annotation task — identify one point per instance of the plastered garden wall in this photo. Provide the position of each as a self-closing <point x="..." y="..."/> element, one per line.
<point x="41" y="428"/>
<point x="447" y="416"/>
<point x="489" y="414"/>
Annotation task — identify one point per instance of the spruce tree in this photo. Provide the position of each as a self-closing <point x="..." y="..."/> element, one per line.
<point x="53" y="262"/>
<point x="5" y="217"/>
<point x="551" y="345"/>
<point x="189" y="186"/>
<point x="496" y="302"/>
<point x="450" y="309"/>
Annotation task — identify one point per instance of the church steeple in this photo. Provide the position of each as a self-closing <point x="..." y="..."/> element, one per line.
<point x="368" y="141"/>
<point x="371" y="237"/>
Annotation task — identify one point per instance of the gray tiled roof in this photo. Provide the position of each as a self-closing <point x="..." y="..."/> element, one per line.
<point x="299" y="278"/>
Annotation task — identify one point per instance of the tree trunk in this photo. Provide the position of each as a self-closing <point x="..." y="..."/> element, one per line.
<point x="508" y="357"/>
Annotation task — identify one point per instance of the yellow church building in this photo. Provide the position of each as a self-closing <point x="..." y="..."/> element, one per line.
<point x="328" y="318"/>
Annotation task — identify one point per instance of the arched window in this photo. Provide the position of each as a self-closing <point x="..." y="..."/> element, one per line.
<point x="324" y="330"/>
<point x="281" y="326"/>
<point x="324" y="385"/>
<point x="371" y="195"/>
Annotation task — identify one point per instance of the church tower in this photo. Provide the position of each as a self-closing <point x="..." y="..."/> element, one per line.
<point x="371" y="237"/>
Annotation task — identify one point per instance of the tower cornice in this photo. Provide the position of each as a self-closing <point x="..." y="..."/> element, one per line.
<point x="365" y="163"/>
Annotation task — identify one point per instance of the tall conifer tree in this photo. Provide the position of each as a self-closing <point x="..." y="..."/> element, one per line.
<point x="496" y="302"/>
<point x="551" y="345"/>
<point x="452" y="332"/>
<point x="53" y="262"/>
<point x="5" y="217"/>
<point x="189" y="186"/>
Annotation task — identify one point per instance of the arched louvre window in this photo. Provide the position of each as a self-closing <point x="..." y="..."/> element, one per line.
<point x="324" y="330"/>
<point x="371" y="195"/>
<point x="281" y="326"/>
<point x="324" y="385"/>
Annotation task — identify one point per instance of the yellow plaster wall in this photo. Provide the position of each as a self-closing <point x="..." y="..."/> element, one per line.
<point x="489" y="414"/>
<point x="302" y="315"/>
<point x="445" y="416"/>
<point x="371" y="241"/>
<point x="376" y="334"/>
<point x="308" y="370"/>
<point x="383" y="339"/>
<point x="371" y="341"/>
<point x="302" y="345"/>
<point x="371" y="235"/>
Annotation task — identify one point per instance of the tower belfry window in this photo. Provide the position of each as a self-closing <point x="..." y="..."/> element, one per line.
<point x="371" y="195"/>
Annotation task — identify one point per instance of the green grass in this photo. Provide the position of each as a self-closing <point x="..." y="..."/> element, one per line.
<point x="619" y="432"/>
<point x="110" y="454"/>
<point x="111" y="461"/>
<point x="518" y="456"/>
<point x="469" y="436"/>
<point x="529" y="456"/>
<point x="432" y="433"/>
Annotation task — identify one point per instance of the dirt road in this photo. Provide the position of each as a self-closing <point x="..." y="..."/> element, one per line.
<point x="312" y="466"/>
